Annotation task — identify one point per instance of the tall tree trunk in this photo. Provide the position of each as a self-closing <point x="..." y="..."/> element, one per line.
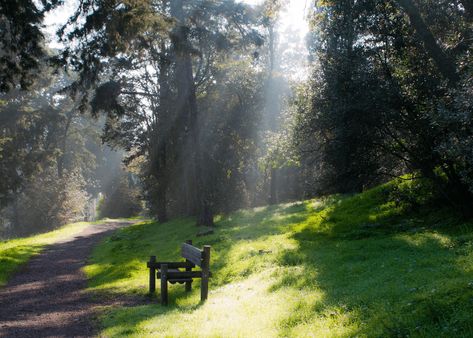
<point x="271" y="113"/>
<point x="161" y="192"/>
<point x="162" y="128"/>
<point x="63" y="147"/>
<point x="158" y="173"/>
<point x="443" y="62"/>
<point x="187" y="95"/>
<point x="273" y="186"/>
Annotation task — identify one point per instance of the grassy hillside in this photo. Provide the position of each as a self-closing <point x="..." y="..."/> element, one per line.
<point x="339" y="267"/>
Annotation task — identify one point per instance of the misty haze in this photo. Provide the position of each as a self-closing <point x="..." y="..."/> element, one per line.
<point x="236" y="168"/>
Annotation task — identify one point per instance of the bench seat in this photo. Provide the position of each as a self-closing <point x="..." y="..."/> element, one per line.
<point x="175" y="280"/>
<point x="182" y="272"/>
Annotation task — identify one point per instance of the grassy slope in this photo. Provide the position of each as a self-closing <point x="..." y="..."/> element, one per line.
<point x="356" y="266"/>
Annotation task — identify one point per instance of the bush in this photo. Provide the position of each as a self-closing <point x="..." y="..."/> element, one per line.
<point x="411" y="193"/>
<point x="122" y="199"/>
<point x="47" y="202"/>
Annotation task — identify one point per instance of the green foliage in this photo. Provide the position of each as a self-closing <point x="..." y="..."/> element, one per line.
<point x="231" y="114"/>
<point x="52" y="159"/>
<point x="47" y="202"/>
<point x="338" y="267"/>
<point x="172" y="76"/>
<point x="121" y="199"/>
<point x="336" y="135"/>
<point x="374" y="111"/>
<point x="22" y="42"/>
<point x="29" y="127"/>
<point x="413" y="193"/>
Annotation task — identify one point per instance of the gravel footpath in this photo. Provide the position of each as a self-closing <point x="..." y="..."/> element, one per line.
<point x="46" y="298"/>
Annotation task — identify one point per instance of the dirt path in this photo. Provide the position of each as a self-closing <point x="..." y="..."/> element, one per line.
<point x="47" y="298"/>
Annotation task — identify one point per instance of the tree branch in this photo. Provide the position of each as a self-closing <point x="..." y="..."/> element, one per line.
<point x="443" y="62"/>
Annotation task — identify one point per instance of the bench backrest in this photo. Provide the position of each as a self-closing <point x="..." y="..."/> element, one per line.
<point x="195" y="255"/>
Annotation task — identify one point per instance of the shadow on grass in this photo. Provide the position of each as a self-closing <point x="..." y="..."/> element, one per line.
<point x="118" y="265"/>
<point x="124" y="254"/>
<point x="376" y="280"/>
<point x="381" y="272"/>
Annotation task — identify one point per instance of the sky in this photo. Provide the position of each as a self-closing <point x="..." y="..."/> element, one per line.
<point x="292" y="28"/>
<point x="293" y="18"/>
<point x="294" y="15"/>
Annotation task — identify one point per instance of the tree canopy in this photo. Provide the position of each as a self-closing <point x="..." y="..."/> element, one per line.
<point x="196" y="96"/>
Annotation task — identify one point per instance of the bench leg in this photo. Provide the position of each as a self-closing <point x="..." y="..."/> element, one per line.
<point x="204" y="288"/>
<point x="164" y="284"/>
<point x="152" y="274"/>
<point x="189" y="286"/>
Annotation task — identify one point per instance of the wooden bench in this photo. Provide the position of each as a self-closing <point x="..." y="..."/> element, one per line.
<point x="181" y="272"/>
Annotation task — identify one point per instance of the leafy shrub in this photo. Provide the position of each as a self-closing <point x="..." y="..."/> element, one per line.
<point x="122" y="199"/>
<point x="47" y="202"/>
<point x="411" y="193"/>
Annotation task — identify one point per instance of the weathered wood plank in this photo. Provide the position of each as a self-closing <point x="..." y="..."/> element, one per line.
<point x="180" y="274"/>
<point x="172" y="265"/>
<point x="188" y="249"/>
<point x="191" y="253"/>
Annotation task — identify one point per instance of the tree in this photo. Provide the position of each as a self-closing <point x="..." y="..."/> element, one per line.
<point x="21" y="41"/>
<point x="339" y="130"/>
<point x="200" y="34"/>
<point x="397" y="122"/>
<point x="443" y="62"/>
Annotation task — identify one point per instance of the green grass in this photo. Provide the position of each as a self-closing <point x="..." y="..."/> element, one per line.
<point x="340" y="267"/>
<point x="16" y="252"/>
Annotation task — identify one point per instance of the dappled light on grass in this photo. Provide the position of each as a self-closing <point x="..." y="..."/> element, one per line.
<point x="337" y="267"/>
<point x="376" y="281"/>
<point x="423" y="239"/>
<point x="232" y="310"/>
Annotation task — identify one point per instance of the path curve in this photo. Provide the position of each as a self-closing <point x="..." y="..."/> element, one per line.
<point x="46" y="298"/>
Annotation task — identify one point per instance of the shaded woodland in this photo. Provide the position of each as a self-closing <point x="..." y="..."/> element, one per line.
<point x="184" y="107"/>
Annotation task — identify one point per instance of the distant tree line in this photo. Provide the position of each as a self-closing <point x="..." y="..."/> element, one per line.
<point x="182" y="86"/>
<point x="194" y="92"/>
<point x="52" y="163"/>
